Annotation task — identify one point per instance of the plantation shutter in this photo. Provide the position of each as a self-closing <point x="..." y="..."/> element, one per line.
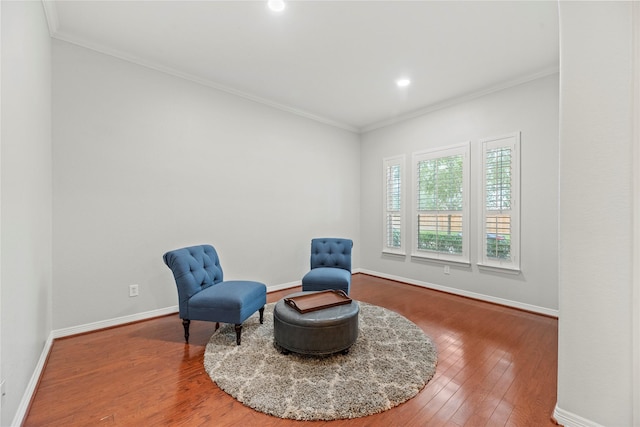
<point x="498" y="202"/>
<point x="393" y="210"/>
<point x="500" y="194"/>
<point x="441" y="180"/>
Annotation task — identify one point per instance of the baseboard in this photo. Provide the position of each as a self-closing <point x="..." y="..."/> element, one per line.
<point x="109" y="323"/>
<point x="90" y="327"/>
<point x="283" y="286"/>
<point x="59" y="333"/>
<point x="23" y="407"/>
<point x="495" y="300"/>
<point x="569" y="419"/>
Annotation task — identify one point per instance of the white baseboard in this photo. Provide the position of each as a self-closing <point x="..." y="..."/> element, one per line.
<point x="569" y="419"/>
<point x="468" y="294"/>
<point x="21" y="412"/>
<point x="283" y="286"/>
<point x="109" y="323"/>
<point x="18" y="419"/>
<point x="90" y="327"/>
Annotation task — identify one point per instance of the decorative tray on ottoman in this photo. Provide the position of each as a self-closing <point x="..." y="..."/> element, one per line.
<point x="317" y="300"/>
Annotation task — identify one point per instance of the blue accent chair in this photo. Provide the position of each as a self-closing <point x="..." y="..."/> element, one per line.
<point x="204" y="295"/>
<point x="330" y="265"/>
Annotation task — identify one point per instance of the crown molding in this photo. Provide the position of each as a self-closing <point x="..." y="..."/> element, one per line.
<point x="463" y="98"/>
<point x="54" y="31"/>
<point x="58" y="35"/>
<point x="51" y="13"/>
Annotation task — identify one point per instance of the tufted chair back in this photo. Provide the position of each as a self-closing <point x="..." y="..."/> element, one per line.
<point x="331" y="252"/>
<point x="194" y="268"/>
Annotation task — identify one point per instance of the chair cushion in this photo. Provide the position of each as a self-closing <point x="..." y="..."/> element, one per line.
<point x="331" y="252"/>
<point x="228" y="302"/>
<point x="194" y="268"/>
<point x="323" y="278"/>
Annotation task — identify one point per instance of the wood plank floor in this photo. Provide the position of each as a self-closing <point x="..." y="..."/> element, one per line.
<point x="496" y="367"/>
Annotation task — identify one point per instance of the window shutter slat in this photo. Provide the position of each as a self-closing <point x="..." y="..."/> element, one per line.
<point x="440" y="202"/>
<point x="393" y="204"/>
<point x="500" y="225"/>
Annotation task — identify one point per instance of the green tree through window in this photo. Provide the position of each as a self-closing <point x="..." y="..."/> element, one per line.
<point x="440" y="203"/>
<point x="500" y="226"/>
<point x="498" y="202"/>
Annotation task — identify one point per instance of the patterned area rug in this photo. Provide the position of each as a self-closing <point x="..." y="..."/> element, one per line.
<point x="391" y="361"/>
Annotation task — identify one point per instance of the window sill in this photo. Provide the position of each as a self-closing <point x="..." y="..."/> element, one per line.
<point x="395" y="254"/>
<point x="440" y="260"/>
<point x="499" y="269"/>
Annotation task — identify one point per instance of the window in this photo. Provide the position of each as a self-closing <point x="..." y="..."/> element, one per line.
<point x="393" y="239"/>
<point x="441" y="203"/>
<point x="500" y="203"/>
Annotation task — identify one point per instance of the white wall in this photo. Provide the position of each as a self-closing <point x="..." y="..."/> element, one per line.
<point x="595" y="366"/>
<point x="26" y="195"/>
<point x="531" y="108"/>
<point x="145" y="162"/>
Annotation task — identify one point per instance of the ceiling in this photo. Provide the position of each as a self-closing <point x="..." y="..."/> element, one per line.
<point x="332" y="61"/>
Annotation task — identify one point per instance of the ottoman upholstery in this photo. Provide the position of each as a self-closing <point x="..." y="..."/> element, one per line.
<point x="325" y="331"/>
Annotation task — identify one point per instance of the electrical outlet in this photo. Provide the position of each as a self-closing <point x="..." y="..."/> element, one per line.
<point x="447" y="269"/>
<point x="133" y="290"/>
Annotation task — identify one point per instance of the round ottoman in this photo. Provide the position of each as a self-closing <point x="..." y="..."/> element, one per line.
<point x="326" y="331"/>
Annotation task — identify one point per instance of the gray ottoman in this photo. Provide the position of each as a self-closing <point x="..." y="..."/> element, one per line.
<point x="325" y="331"/>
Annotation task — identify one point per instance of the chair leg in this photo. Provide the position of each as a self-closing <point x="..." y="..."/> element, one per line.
<point x="185" y="323"/>
<point x="261" y="315"/>
<point x="238" y="333"/>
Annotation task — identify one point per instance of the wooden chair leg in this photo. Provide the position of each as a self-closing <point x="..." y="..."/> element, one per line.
<point x="238" y="333"/>
<point x="261" y="315"/>
<point x="185" y="323"/>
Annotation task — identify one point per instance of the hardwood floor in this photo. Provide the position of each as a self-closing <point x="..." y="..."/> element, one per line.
<point x="496" y="367"/>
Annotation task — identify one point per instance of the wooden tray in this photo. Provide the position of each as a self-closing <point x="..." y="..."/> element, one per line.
<point x="318" y="300"/>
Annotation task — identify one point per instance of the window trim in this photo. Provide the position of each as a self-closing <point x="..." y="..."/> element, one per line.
<point x="399" y="160"/>
<point x="463" y="148"/>
<point x="484" y="262"/>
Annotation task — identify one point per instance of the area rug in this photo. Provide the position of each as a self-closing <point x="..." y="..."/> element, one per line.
<point x="391" y="361"/>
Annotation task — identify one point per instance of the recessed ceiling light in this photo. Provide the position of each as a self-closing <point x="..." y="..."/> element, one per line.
<point x="276" y="5"/>
<point x="403" y="82"/>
